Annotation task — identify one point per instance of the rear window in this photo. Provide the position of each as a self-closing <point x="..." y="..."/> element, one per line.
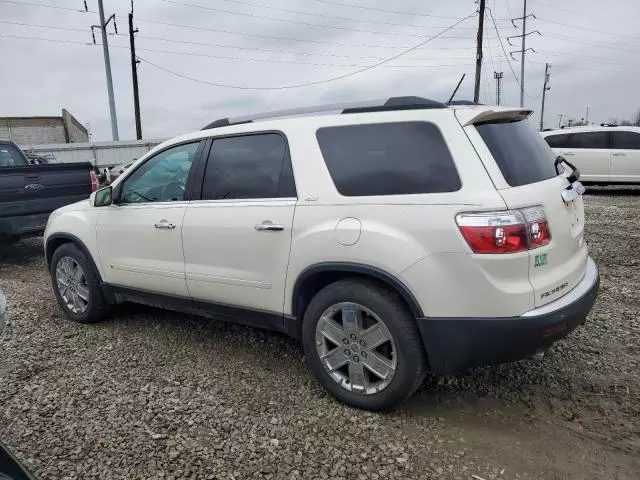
<point x="626" y="140"/>
<point x="10" y="156"/>
<point x="519" y="150"/>
<point x="597" y="140"/>
<point x="388" y="159"/>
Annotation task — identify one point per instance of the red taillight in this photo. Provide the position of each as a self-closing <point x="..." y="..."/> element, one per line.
<point x="505" y="232"/>
<point x="94" y="181"/>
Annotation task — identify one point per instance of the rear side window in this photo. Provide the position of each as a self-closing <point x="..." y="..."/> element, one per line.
<point x="10" y="156"/>
<point x="249" y="166"/>
<point x="556" y="141"/>
<point x="597" y="140"/>
<point x="626" y="140"/>
<point x="519" y="150"/>
<point x="388" y="159"/>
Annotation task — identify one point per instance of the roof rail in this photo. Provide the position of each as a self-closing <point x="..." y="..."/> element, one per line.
<point x="390" y="104"/>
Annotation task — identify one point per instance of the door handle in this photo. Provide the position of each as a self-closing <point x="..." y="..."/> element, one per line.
<point x="164" y="225"/>
<point x="568" y="153"/>
<point x="619" y="154"/>
<point x="269" y="226"/>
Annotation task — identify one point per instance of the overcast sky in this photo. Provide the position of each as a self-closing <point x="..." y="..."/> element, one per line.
<point x="595" y="57"/>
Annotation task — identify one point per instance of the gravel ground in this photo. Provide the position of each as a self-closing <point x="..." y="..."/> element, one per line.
<point x="154" y="394"/>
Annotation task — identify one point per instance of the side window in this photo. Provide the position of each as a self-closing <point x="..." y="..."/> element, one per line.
<point x="10" y="156"/>
<point x="249" y="166"/>
<point x="587" y="140"/>
<point x="163" y="178"/>
<point x="626" y="140"/>
<point x="388" y="159"/>
<point x="556" y="141"/>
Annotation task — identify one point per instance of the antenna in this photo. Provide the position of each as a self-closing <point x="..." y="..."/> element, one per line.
<point x="456" y="89"/>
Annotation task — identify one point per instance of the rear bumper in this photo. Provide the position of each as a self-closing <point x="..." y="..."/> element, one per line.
<point x="454" y="344"/>
<point x="23" y="225"/>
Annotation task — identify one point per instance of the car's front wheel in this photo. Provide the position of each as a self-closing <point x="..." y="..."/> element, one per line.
<point x="363" y="345"/>
<point x="76" y="285"/>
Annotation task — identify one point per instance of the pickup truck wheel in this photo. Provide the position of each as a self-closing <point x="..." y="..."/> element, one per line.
<point x="76" y="285"/>
<point x="363" y="345"/>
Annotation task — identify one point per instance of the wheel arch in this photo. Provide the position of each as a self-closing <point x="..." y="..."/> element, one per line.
<point x="314" y="278"/>
<point x="56" y="240"/>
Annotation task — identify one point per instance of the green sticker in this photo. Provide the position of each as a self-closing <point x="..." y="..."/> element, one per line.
<point x="540" y="260"/>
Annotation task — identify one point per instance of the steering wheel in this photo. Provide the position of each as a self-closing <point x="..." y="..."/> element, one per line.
<point x="173" y="191"/>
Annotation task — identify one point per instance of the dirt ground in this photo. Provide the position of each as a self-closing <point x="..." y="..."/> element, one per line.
<point x="154" y="394"/>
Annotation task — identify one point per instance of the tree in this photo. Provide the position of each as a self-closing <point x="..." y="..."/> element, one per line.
<point x="635" y="120"/>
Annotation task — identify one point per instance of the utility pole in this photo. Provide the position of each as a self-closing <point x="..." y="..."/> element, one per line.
<point x="586" y="118"/>
<point x="134" y="74"/>
<point x="545" y="87"/>
<point x="524" y="48"/>
<point x="107" y="65"/>
<point x="560" y="115"/>
<point x="498" y="76"/>
<point x="476" y="90"/>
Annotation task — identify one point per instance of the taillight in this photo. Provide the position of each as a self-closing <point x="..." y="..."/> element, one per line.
<point x="505" y="231"/>
<point x="94" y="181"/>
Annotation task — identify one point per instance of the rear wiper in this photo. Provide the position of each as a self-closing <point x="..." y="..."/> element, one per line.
<point x="575" y="173"/>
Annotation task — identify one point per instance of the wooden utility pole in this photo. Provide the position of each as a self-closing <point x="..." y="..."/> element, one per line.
<point x="134" y="74"/>
<point x="476" y="90"/>
<point x="545" y="87"/>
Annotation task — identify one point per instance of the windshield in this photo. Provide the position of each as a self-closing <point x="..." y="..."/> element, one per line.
<point x="10" y="156"/>
<point x="521" y="153"/>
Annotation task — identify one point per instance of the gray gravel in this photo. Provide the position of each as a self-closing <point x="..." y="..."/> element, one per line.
<point x="154" y="394"/>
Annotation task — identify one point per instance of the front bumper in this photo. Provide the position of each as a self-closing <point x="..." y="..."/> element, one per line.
<point x="455" y="344"/>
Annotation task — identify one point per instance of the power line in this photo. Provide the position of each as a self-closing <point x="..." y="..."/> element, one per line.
<point x="286" y="52"/>
<point x="493" y="20"/>
<point x="53" y="27"/>
<point x="42" y="5"/>
<point x="314" y="14"/>
<point x="340" y="77"/>
<point x="288" y="39"/>
<point x="362" y="7"/>
<point x="587" y="29"/>
<point x="298" y="22"/>
<point x="54" y="40"/>
<point x="587" y="42"/>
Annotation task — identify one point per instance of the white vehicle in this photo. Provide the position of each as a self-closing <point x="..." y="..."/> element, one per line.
<point x="392" y="238"/>
<point x="605" y="154"/>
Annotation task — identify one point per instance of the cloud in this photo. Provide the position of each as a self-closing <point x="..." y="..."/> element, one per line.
<point x="41" y="77"/>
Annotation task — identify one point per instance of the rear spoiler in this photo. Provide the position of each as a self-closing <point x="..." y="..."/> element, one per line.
<point x="470" y="116"/>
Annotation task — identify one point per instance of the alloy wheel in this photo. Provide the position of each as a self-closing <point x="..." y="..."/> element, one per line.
<point x="72" y="285"/>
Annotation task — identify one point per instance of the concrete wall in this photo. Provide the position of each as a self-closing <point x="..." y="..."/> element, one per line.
<point x="76" y="132"/>
<point x="101" y="154"/>
<point x="33" y="130"/>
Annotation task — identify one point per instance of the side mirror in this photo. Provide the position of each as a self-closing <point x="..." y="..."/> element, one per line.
<point x="104" y="197"/>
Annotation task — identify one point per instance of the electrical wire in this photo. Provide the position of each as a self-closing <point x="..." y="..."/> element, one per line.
<point x="42" y="5"/>
<point x="285" y="52"/>
<point x="298" y="22"/>
<point x="322" y="15"/>
<point x="493" y="20"/>
<point x="587" y="42"/>
<point x="318" y="82"/>
<point x="374" y="9"/>
<point x="53" y="27"/>
<point x="585" y="28"/>
<point x="288" y="39"/>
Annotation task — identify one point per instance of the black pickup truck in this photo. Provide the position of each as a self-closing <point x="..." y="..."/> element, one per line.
<point x="29" y="193"/>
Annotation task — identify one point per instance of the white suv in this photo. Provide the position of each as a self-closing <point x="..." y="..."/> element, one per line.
<point x="392" y="238"/>
<point x="605" y="154"/>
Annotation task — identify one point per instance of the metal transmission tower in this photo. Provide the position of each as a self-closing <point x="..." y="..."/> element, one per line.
<point x="545" y="87"/>
<point x="107" y="64"/>
<point x="498" y="76"/>
<point x="524" y="49"/>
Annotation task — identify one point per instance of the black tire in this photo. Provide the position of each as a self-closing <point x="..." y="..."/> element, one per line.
<point x="411" y="367"/>
<point x="97" y="307"/>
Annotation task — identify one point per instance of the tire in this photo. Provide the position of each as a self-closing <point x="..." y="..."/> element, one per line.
<point x="95" y="307"/>
<point x="404" y="350"/>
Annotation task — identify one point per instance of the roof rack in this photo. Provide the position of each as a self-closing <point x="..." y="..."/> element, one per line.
<point x="390" y="104"/>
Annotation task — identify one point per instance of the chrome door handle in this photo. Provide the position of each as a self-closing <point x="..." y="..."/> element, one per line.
<point x="164" y="225"/>
<point x="270" y="226"/>
<point x="619" y="154"/>
<point x="568" y="153"/>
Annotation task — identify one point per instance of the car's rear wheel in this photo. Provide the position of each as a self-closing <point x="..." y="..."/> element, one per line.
<point x="363" y="345"/>
<point x="76" y="285"/>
